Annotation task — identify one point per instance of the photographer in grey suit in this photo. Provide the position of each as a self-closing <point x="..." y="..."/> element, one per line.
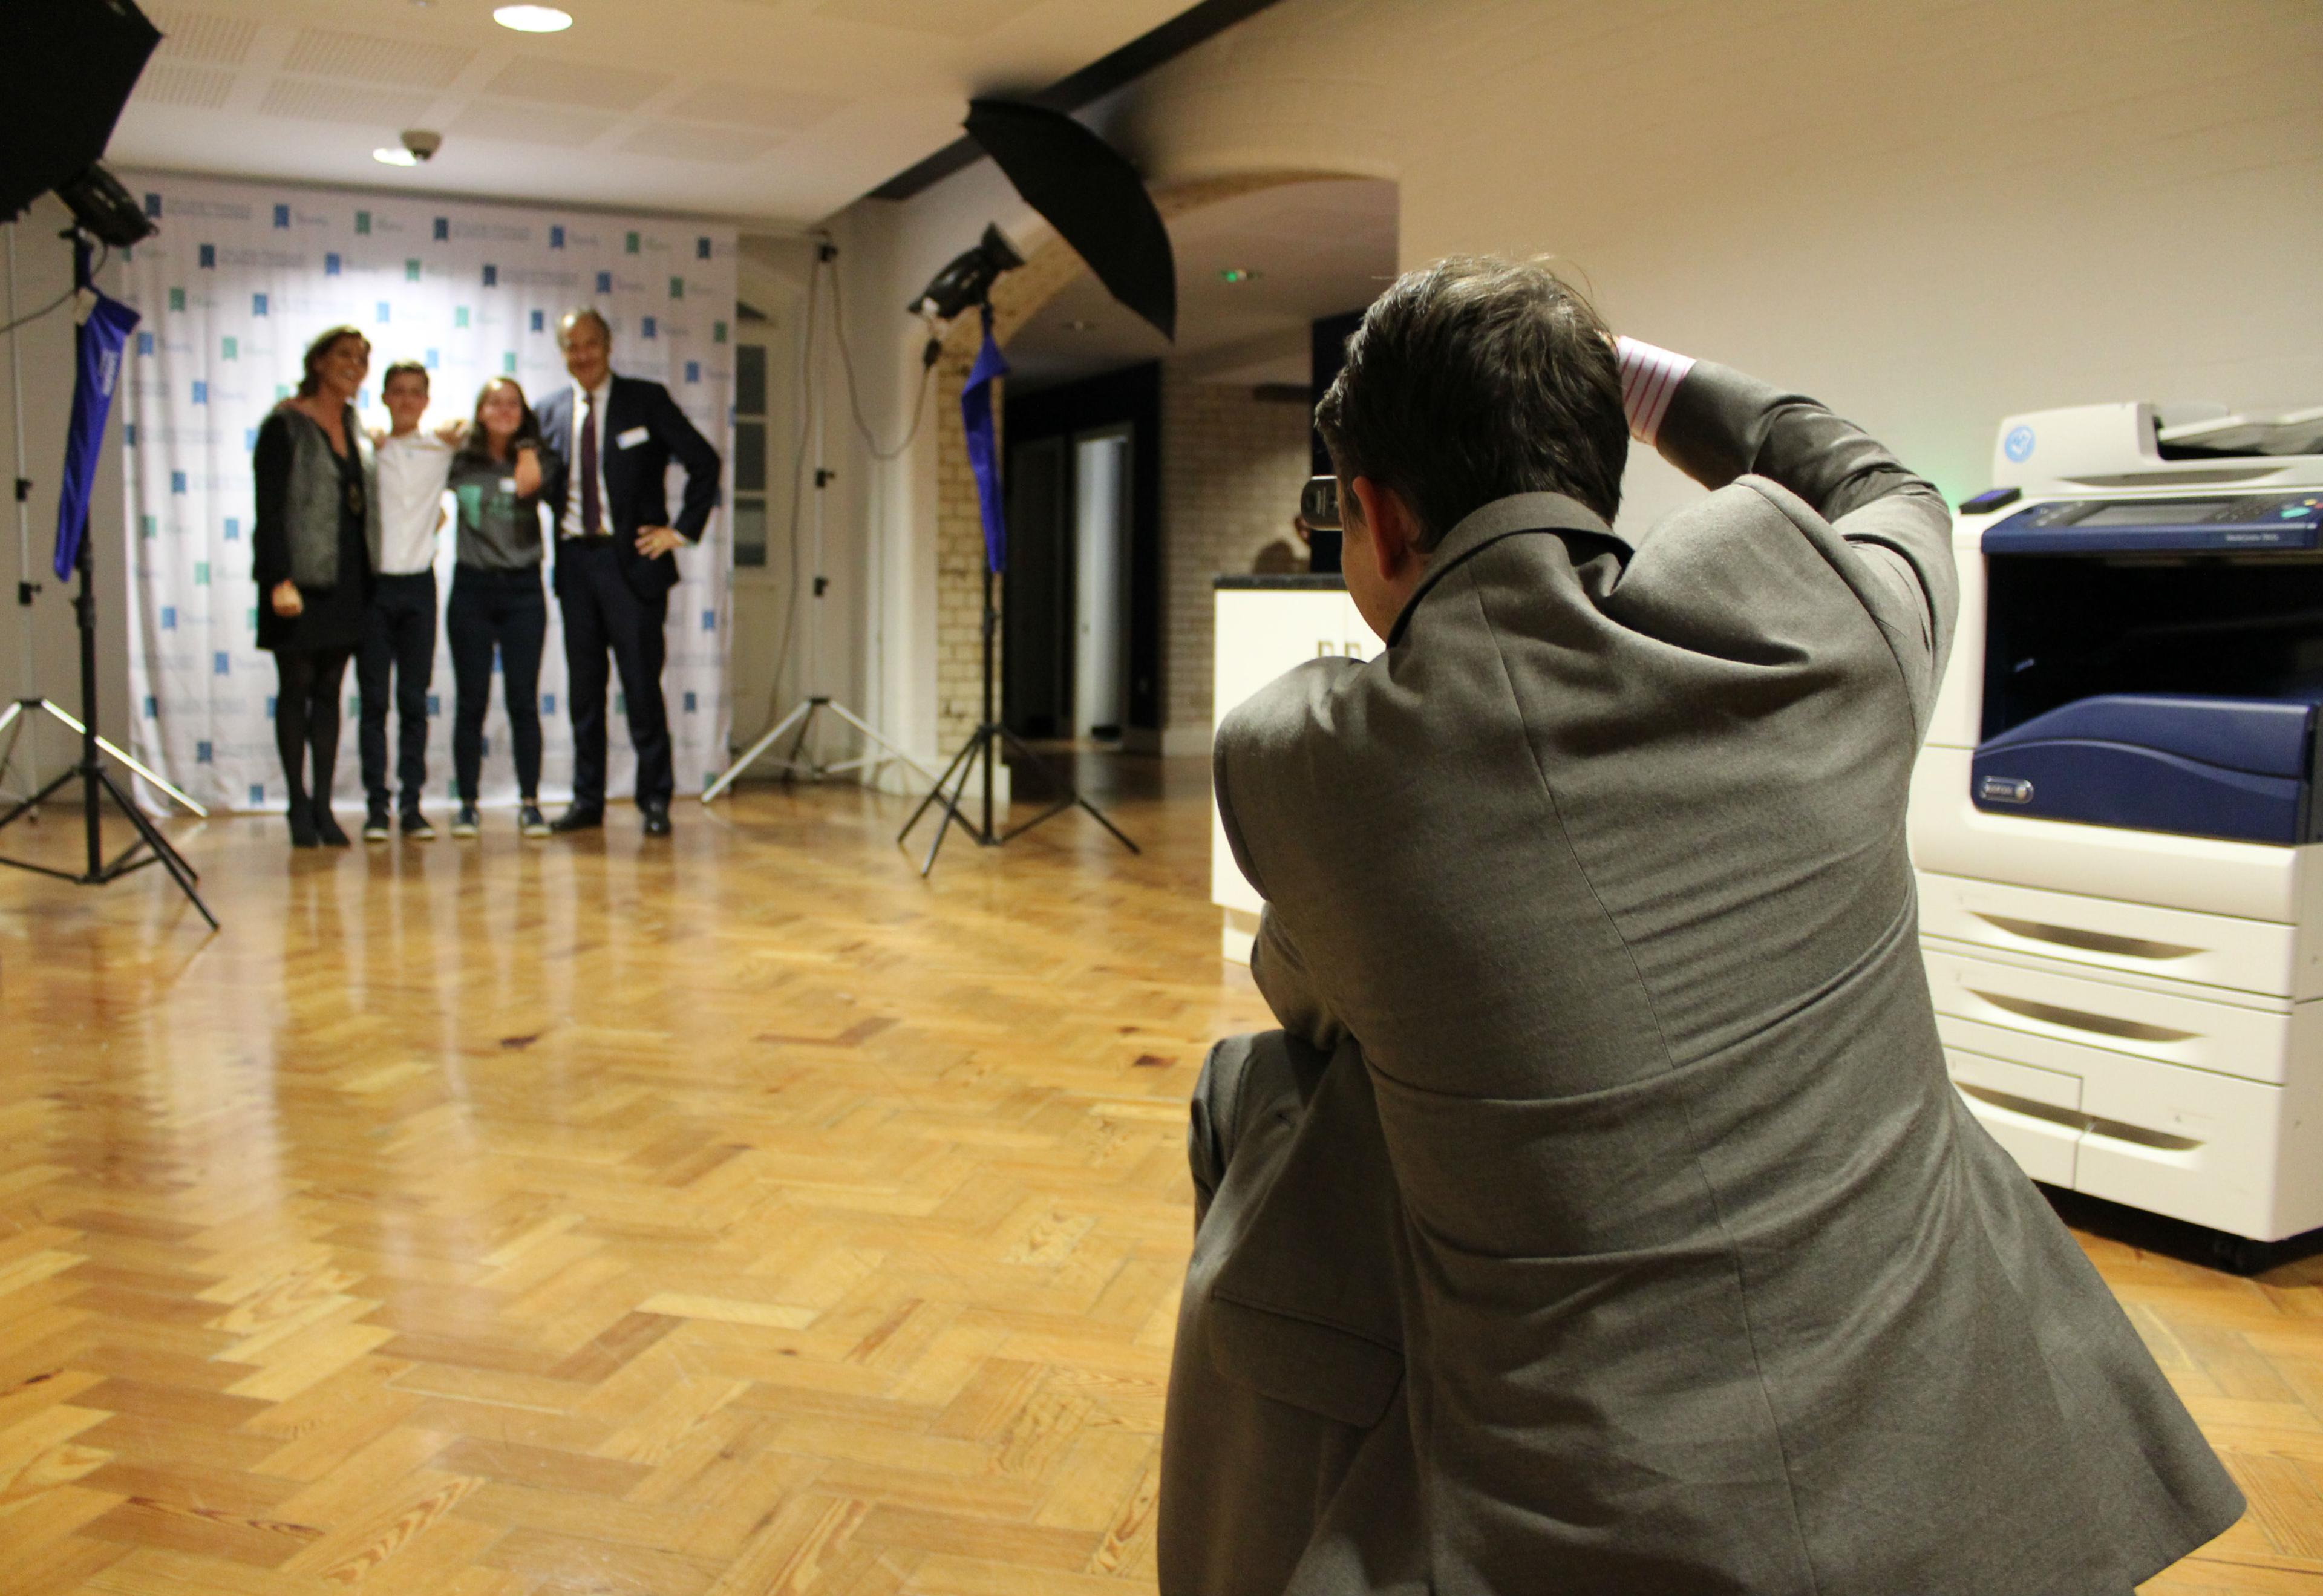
<point x="1604" y="1220"/>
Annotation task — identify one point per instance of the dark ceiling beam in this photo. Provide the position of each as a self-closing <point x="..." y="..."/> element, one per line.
<point x="1093" y="82"/>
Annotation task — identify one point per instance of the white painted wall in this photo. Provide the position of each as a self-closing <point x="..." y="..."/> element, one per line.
<point x="1927" y="213"/>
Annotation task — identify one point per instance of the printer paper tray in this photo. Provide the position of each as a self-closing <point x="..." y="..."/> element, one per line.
<point x="2221" y="951"/>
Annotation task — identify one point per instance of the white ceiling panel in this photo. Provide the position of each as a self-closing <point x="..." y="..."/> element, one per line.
<point x="774" y="111"/>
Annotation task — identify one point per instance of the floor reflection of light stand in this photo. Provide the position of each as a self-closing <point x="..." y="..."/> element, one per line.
<point x="96" y="782"/>
<point x="799" y="723"/>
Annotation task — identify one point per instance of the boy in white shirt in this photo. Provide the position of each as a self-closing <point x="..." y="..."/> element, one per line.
<point x="399" y="620"/>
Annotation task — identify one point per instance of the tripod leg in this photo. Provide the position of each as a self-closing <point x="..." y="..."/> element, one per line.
<point x="934" y="792"/>
<point x="1072" y="793"/>
<point x="806" y="725"/>
<point x="179" y="871"/>
<point x="25" y="805"/>
<point x="953" y="817"/>
<point x="750" y="754"/>
<point x="848" y="715"/>
<point x="182" y="800"/>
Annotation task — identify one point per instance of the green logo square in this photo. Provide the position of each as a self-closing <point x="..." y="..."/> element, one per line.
<point x="281" y="391"/>
<point x="250" y="619"/>
<point x="677" y="288"/>
<point x="411" y="272"/>
<point x="717" y="332"/>
<point x="459" y="315"/>
<point x="508" y="363"/>
<point x="630" y="246"/>
<point x="177" y="298"/>
<point x="362" y="221"/>
<point x="145" y="526"/>
<point x="201" y="573"/>
<point x="228" y="348"/>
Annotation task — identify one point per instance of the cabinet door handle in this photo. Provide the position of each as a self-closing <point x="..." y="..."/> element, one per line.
<point x="2088" y="941"/>
<point x="2081" y="1020"/>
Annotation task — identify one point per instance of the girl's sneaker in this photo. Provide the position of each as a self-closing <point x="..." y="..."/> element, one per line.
<point x="531" y="821"/>
<point x="463" y="824"/>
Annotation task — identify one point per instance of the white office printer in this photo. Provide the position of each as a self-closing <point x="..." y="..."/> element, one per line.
<point x="2116" y="821"/>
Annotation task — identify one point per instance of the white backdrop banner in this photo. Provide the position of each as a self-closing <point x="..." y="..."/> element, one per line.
<point x="240" y="277"/>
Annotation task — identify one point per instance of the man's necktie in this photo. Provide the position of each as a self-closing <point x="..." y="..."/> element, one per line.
<point x="592" y="515"/>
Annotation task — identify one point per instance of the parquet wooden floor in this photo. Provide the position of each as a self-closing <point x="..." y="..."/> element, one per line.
<point x="740" y="1215"/>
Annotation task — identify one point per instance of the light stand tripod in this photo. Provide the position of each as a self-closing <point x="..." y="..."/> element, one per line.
<point x="96" y="782"/>
<point x="17" y="717"/>
<point x="802" y="716"/>
<point x="982" y="746"/>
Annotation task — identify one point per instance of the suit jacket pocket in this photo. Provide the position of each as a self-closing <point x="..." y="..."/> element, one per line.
<point x="1320" y="1368"/>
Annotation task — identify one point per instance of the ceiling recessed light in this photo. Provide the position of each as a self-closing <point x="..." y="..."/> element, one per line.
<point x="395" y="157"/>
<point x="1236" y="274"/>
<point x="533" y="19"/>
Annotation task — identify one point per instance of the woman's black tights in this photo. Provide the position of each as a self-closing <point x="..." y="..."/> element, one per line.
<point x="307" y="719"/>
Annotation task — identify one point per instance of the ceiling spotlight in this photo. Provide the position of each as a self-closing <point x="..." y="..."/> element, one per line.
<point x="394" y="157"/>
<point x="533" y="19"/>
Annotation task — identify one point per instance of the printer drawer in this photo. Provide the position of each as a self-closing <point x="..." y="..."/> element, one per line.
<point x="2210" y="1149"/>
<point x="2180" y="944"/>
<point x="2091" y="1013"/>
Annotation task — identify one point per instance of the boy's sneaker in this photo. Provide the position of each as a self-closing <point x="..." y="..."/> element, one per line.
<point x="415" y="826"/>
<point x="463" y="824"/>
<point x="375" y="826"/>
<point x="531" y="821"/>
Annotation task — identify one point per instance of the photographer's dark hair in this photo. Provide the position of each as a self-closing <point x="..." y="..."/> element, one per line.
<point x="479" y="444"/>
<point x="1474" y="379"/>
<point x="311" y="381"/>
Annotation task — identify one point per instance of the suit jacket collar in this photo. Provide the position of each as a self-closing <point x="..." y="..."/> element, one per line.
<point x="1504" y="518"/>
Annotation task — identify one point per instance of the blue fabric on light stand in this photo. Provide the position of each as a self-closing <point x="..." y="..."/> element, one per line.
<point x="976" y="416"/>
<point x="97" y="347"/>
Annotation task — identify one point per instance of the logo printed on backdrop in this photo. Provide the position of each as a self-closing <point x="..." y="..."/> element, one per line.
<point x="269" y="297"/>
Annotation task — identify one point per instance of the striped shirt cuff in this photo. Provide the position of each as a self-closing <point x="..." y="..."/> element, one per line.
<point x="1650" y="379"/>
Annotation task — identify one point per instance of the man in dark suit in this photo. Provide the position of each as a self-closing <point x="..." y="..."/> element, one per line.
<point x="608" y="443"/>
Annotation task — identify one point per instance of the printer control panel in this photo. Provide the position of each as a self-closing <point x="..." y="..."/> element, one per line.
<point x="2211" y="524"/>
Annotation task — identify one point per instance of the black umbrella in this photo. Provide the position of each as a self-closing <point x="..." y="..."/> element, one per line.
<point x="1092" y="196"/>
<point x="65" y="69"/>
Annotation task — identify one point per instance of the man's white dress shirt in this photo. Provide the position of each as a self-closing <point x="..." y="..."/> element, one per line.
<point x="588" y="410"/>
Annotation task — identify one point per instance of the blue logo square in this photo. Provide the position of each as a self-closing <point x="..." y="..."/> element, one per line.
<point x="443" y="227"/>
<point x="176" y="482"/>
<point x="221" y="663"/>
<point x="710" y="621"/>
<point x="539" y="321"/>
<point x="702" y="249"/>
<point x="431" y="360"/>
<point x="331" y="264"/>
<point x="201" y="393"/>
<point x="491" y="277"/>
<point x="689" y="703"/>
<point x="385" y="311"/>
<point x="209" y="257"/>
<point x="249" y="439"/>
<point x="169" y="618"/>
<point x="283" y="215"/>
<point x="271" y="701"/>
<point x="144" y="342"/>
<point x="257" y="794"/>
<point x="557" y="238"/>
<point x="604" y="282"/>
<point x="548" y="703"/>
<point x="153" y="707"/>
<point x="434" y="704"/>
<point x="362" y="399"/>
<point x="645" y="328"/>
<point x="496" y="664"/>
<point x="129" y="435"/>
<point x="258" y="305"/>
<point x="694" y="371"/>
<point x="154" y="205"/>
<point x="201" y="753"/>
<point x="232" y="529"/>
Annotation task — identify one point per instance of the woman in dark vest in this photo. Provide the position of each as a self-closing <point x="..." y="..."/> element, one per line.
<point x="316" y="525"/>
<point x="496" y="598"/>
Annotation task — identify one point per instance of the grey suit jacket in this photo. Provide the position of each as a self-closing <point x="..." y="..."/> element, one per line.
<point x="1701" y="1277"/>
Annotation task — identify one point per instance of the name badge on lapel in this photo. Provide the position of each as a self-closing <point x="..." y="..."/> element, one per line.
<point x="631" y="438"/>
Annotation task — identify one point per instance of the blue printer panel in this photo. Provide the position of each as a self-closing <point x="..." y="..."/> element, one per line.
<point x="2220" y="525"/>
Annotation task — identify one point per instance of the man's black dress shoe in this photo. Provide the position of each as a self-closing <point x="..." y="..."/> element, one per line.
<point x="656" y="820"/>
<point x="577" y="819"/>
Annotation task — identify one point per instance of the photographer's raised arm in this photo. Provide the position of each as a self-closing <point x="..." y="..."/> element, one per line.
<point x="1715" y="424"/>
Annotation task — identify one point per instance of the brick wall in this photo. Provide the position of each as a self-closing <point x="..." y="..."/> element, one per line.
<point x="1232" y="465"/>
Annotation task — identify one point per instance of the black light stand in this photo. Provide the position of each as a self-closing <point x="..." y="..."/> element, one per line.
<point x="96" y="782"/>
<point x="984" y="744"/>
